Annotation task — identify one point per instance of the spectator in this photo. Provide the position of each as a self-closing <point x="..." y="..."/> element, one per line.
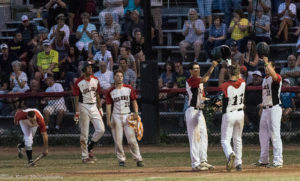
<point x="229" y="6"/>
<point x="129" y="74"/>
<point x="193" y="30"/>
<point x="105" y="77"/>
<point x="287" y="14"/>
<point x="238" y="28"/>
<point x="30" y="102"/>
<point x="56" y="105"/>
<point x="18" y="78"/>
<point x="262" y="29"/>
<point x="263" y="5"/>
<point x="180" y="75"/>
<point x="19" y="47"/>
<point x="76" y="7"/>
<point x="60" y="26"/>
<point x="4" y="82"/>
<point x="292" y="73"/>
<point x="217" y="35"/>
<point x="71" y="67"/>
<point x="137" y="50"/>
<point x="125" y="53"/>
<point x="204" y="7"/>
<point x="275" y="5"/>
<point x="132" y="5"/>
<point x="252" y="105"/>
<point x="54" y="8"/>
<point x="94" y="46"/>
<point x="236" y="55"/>
<point x="28" y="30"/>
<point x="62" y="47"/>
<point x="134" y="24"/>
<point x="104" y="55"/>
<point x="6" y="58"/>
<point x="115" y="7"/>
<point x="251" y="59"/>
<point x="84" y="32"/>
<point x="47" y="61"/>
<point x="287" y="104"/>
<point x="110" y="33"/>
<point x="166" y="77"/>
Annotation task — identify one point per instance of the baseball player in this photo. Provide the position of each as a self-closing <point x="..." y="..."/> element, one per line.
<point x="120" y="96"/>
<point x="269" y="127"/>
<point x="233" y="117"/>
<point x="87" y="106"/>
<point x="195" y="120"/>
<point x="30" y="120"/>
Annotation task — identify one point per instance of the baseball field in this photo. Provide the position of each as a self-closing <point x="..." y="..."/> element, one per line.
<point x="163" y="162"/>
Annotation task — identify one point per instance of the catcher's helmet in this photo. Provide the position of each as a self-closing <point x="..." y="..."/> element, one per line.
<point x="221" y="52"/>
<point x="262" y="49"/>
<point x="85" y="64"/>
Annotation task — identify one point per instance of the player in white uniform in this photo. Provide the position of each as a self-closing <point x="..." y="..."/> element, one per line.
<point x="270" y="120"/>
<point x="30" y="120"/>
<point x="195" y="121"/>
<point x="87" y="107"/>
<point x="233" y="118"/>
<point x="120" y="96"/>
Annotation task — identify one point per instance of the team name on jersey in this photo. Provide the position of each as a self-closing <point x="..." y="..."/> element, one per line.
<point x="87" y="90"/>
<point x="121" y="98"/>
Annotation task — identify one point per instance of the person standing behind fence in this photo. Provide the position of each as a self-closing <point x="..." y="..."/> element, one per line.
<point x="195" y="121"/>
<point x="55" y="104"/>
<point x="233" y="118"/>
<point x="30" y="120"/>
<point x="88" y="109"/>
<point x="204" y="7"/>
<point x="121" y="96"/>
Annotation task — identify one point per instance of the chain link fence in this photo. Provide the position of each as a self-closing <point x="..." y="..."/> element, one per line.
<point x="172" y="104"/>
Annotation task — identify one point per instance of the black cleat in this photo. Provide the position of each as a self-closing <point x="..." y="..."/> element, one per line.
<point x="122" y="164"/>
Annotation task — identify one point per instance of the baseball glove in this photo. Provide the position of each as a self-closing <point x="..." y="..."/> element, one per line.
<point x="137" y="125"/>
<point x="262" y="49"/>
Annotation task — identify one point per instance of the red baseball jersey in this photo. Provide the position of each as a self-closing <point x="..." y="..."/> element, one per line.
<point x="87" y="89"/>
<point x="234" y="92"/>
<point x="22" y="115"/>
<point x="120" y="98"/>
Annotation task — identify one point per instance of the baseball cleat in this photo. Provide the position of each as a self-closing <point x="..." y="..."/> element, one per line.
<point x="140" y="164"/>
<point x="20" y="150"/>
<point x="87" y="161"/>
<point x="92" y="156"/>
<point x="199" y="168"/>
<point x="273" y="165"/>
<point x="239" y="167"/>
<point x="230" y="161"/>
<point x="30" y="163"/>
<point x="122" y="164"/>
<point x="209" y="166"/>
<point x="258" y="164"/>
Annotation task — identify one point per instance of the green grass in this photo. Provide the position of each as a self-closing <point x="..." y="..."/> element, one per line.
<point x="60" y="164"/>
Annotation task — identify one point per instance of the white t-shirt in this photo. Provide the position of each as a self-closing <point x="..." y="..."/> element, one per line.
<point x="105" y="79"/>
<point x="22" y="78"/>
<point x="282" y="7"/>
<point x="99" y="57"/>
<point x="56" y="87"/>
<point x="65" y="28"/>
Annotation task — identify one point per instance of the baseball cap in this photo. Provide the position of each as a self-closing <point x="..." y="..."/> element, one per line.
<point x="243" y="69"/>
<point x="46" y="43"/>
<point x="3" y="45"/>
<point x="257" y="72"/>
<point x="24" y="18"/>
<point x="233" y="43"/>
<point x="287" y="80"/>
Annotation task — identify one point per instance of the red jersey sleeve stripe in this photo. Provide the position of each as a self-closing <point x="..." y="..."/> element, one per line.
<point x="108" y="98"/>
<point x="278" y="78"/>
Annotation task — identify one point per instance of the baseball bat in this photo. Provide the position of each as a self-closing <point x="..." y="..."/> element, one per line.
<point x="37" y="159"/>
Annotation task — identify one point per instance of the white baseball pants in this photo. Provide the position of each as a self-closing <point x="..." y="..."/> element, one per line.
<point x="29" y="132"/>
<point x="232" y="127"/>
<point x="89" y="113"/>
<point x="269" y="127"/>
<point x="197" y="133"/>
<point x="120" y="123"/>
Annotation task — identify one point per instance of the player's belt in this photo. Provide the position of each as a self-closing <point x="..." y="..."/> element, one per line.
<point x="196" y="108"/>
<point x="89" y="103"/>
<point x="237" y="110"/>
<point x="267" y="107"/>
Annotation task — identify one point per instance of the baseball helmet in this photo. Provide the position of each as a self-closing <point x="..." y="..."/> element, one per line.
<point x="219" y="53"/>
<point x="262" y="49"/>
<point x="85" y="64"/>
